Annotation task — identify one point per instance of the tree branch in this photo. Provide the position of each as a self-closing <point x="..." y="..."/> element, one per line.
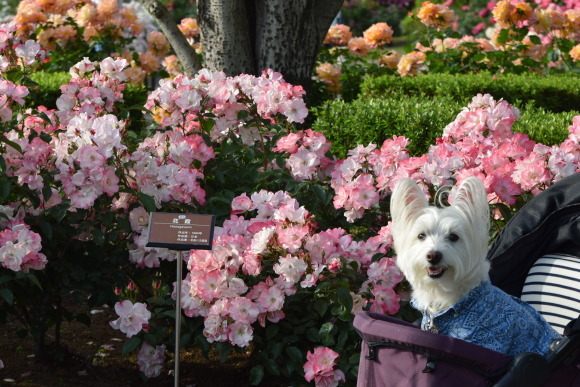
<point x="186" y="54"/>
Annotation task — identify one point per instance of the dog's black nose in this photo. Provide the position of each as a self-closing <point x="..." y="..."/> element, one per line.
<point x="433" y="257"/>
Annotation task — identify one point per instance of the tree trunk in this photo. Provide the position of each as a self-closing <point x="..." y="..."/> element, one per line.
<point x="249" y="36"/>
<point x="226" y="36"/>
<point x="289" y="35"/>
<point x="175" y="37"/>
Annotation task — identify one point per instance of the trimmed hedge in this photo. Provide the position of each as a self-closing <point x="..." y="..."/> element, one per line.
<point x="555" y="93"/>
<point x="421" y="119"/>
<point x="47" y="90"/>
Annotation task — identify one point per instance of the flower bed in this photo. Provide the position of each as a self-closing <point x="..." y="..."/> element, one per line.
<point x="302" y="241"/>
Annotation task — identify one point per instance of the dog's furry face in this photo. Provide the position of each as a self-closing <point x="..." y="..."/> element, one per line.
<point x="441" y="251"/>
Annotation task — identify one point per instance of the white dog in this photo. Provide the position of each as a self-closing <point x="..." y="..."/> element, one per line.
<point x="442" y="253"/>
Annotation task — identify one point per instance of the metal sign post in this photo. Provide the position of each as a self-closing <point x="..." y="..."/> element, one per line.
<point x="181" y="232"/>
<point x="178" y="317"/>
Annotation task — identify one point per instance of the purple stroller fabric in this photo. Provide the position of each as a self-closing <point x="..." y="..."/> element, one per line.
<point x="397" y="353"/>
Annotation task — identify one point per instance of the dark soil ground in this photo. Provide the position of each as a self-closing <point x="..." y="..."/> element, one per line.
<point x="86" y="369"/>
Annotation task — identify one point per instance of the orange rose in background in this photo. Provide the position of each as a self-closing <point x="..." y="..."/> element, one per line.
<point x="330" y="75"/>
<point x="521" y="12"/>
<point x="390" y="60"/>
<point x="338" y="34"/>
<point x="378" y="34"/>
<point x="410" y="63"/>
<point x="435" y="15"/>
<point x="501" y="13"/>
<point x="189" y="27"/>
<point x="358" y="46"/>
<point x="575" y="53"/>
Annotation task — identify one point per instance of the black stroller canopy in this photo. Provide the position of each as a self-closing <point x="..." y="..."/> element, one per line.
<point x="549" y="223"/>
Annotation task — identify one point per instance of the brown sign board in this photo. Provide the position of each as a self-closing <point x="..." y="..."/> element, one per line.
<point x="181" y="231"/>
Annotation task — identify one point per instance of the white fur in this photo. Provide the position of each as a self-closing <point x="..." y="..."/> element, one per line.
<point x="463" y="261"/>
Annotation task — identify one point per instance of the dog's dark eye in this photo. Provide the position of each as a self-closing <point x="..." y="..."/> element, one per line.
<point x="453" y="237"/>
<point x="421" y="236"/>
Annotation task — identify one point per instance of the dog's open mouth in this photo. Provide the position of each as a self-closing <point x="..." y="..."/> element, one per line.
<point x="435" y="272"/>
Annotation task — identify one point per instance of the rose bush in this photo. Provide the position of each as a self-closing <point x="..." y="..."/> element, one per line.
<point x="521" y="36"/>
<point x="77" y="29"/>
<point x="77" y="178"/>
<point x="303" y="238"/>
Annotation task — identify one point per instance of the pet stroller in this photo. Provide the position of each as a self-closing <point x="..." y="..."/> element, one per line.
<point x="535" y="257"/>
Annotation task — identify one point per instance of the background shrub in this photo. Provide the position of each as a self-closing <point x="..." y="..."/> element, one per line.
<point x="419" y="108"/>
<point x="554" y="93"/>
<point x="373" y="120"/>
<point x="47" y="90"/>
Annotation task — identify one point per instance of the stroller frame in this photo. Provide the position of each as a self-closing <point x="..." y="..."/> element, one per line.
<point x="397" y="353"/>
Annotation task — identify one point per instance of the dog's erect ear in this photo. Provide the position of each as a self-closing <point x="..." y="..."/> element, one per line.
<point x="471" y="199"/>
<point x="407" y="201"/>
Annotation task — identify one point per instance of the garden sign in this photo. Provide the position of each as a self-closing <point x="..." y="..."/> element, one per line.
<point x="180" y="232"/>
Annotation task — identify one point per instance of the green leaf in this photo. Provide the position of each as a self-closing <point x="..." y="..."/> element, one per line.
<point x="151" y="339"/>
<point x="354" y="358"/>
<point x="275" y="349"/>
<point x="281" y="161"/>
<point x="321" y="307"/>
<point x="503" y="36"/>
<point x="479" y="57"/>
<point x="5" y="188"/>
<point x="46" y="192"/>
<point x="299" y="329"/>
<point x="208" y="125"/>
<point x="185" y="338"/>
<point x="272" y="331"/>
<point x="224" y="352"/>
<point x="313" y="335"/>
<point x="7" y="295"/>
<point x="565" y="45"/>
<point x="131" y="344"/>
<point x="32" y="278"/>
<point x="11" y="143"/>
<point x="272" y="367"/>
<point x="46" y="229"/>
<point x="202" y="343"/>
<point x="326" y="334"/>
<point x="522" y="33"/>
<point x="344" y="298"/>
<point x="13" y="76"/>
<point x="243" y="114"/>
<point x="535" y="39"/>
<point x="148" y="202"/>
<point x="44" y="117"/>
<point x="294" y="354"/>
<point x="47" y="138"/>
<point x="342" y="338"/>
<point x="256" y="375"/>
<point x="554" y="55"/>
<point x="4" y="279"/>
<point x="59" y="211"/>
<point x="98" y="236"/>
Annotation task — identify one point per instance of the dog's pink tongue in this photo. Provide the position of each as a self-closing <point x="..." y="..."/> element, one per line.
<point x="435" y="270"/>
